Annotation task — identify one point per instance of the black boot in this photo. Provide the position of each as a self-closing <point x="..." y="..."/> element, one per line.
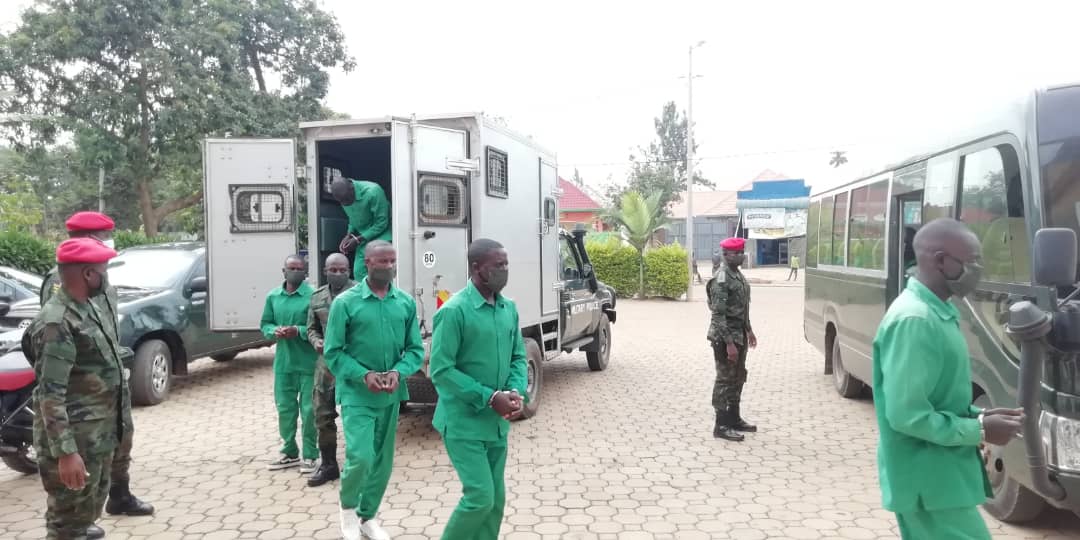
<point x="93" y="532"/>
<point x="741" y="425"/>
<point x="328" y="469"/>
<point x="722" y="429"/>
<point x="122" y="502"/>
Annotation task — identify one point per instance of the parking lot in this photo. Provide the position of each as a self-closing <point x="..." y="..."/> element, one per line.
<point x="622" y="454"/>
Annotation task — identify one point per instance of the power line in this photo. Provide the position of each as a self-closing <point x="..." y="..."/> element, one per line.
<point x="714" y="158"/>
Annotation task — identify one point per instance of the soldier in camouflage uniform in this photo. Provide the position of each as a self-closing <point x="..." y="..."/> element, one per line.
<point x="337" y="278"/>
<point x="730" y="333"/>
<point x="78" y="401"/>
<point x="100" y="227"/>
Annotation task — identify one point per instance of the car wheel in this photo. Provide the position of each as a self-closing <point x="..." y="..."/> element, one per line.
<point x="845" y="384"/>
<point x="22" y="460"/>
<point x="1011" y="502"/>
<point x="535" y="359"/>
<point x="151" y="374"/>
<point x="598" y="359"/>
<point x="224" y="357"/>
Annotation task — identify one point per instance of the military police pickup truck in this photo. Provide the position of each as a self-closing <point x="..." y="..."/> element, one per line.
<point x="449" y="179"/>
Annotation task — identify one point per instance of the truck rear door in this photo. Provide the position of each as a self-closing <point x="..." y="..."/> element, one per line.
<point x="248" y="191"/>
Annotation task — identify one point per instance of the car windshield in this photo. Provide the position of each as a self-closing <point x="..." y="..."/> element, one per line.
<point x="26" y="279"/>
<point x="149" y="268"/>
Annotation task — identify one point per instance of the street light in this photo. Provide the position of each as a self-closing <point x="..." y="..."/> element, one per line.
<point x="690" y="171"/>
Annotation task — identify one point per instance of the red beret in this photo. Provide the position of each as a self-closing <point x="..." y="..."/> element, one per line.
<point x="83" y="251"/>
<point x="733" y="244"/>
<point x="89" y="221"/>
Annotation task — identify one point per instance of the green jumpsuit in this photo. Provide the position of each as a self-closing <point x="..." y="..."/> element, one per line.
<point x="369" y="218"/>
<point x="477" y="349"/>
<point x="366" y="333"/>
<point x="294" y="367"/>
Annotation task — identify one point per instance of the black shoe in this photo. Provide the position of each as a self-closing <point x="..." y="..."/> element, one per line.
<point x="739" y="424"/>
<point x="723" y="430"/>
<point x="123" y="503"/>
<point x="94" y="531"/>
<point x="328" y="469"/>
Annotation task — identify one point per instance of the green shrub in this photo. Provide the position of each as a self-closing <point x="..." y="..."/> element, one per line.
<point x="667" y="273"/>
<point x="26" y="252"/>
<point x="615" y="264"/>
<point x="126" y="239"/>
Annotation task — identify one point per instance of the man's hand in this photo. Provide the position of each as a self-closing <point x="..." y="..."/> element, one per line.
<point x="73" y="471"/>
<point x="290" y="332"/>
<point x="319" y="345"/>
<point x="1001" y="425"/>
<point x="732" y="353"/>
<point x="348" y="244"/>
<point x="373" y="381"/>
<point x="751" y="339"/>
<point x="279" y="332"/>
<point x="503" y="404"/>
<point x="519" y="405"/>
<point x="391" y="381"/>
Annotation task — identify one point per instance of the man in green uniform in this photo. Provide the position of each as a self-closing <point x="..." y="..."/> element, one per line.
<point x="284" y="320"/>
<point x="337" y="282"/>
<point x="479" y="369"/>
<point x="78" y="401"/>
<point x="929" y="465"/>
<point x="100" y="227"/>
<point x="730" y="334"/>
<point x="368" y="211"/>
<point x="372" y="345"/>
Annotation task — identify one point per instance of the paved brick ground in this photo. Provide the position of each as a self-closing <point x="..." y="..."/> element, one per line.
<point x="622" y="454"/>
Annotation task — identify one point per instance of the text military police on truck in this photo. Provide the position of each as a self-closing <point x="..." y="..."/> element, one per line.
<point x="448" y="179"/>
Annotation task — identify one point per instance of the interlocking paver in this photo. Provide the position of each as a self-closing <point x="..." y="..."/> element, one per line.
<point x="624" y="453"/>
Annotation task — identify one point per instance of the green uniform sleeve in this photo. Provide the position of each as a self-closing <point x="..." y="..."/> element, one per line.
<point x="519" y="364"/>
<point x="975" y="411"/>
<point x="47" y="285"/>
<point x="380" y="215"/>
<point x="908" y="377"/>
<point x="56" y="357"/>
<point x="718" y="328"/>
<point x="413" y="354"/>
<point x="447" y="378"/>
<point x="314" y="327"/>
<point x="268" y="323"/>
<point x="341" y="365"/>
<point x="749" y="327"/>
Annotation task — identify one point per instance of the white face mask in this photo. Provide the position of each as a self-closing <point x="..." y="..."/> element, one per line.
<point x="110" y="243"/>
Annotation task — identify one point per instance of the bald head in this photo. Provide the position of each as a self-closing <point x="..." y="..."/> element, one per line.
<point x="337" y="259"/>
<point x="374" y="247"/>
<point x="343" y="192"/>
<point x="946" y="250"/>
<point x="945" y="235"/>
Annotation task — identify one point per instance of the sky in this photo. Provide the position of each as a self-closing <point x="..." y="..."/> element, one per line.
<point x="782" y="83"/>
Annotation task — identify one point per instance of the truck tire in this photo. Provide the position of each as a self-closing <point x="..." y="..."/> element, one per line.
<point x="1011" y="502"/>
<point x="598" y="359"/>
<point x="535" y="359"/>
<point x="421" y="390"/>
<point x="151" y="373"/>
<point x="22" y="461"/>
<point x="846" y="385"/>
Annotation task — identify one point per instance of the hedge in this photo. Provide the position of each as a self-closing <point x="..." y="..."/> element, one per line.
<point x="667" y="273"/>
<point x="30" y="253"/>
<point x="616" y="264"/>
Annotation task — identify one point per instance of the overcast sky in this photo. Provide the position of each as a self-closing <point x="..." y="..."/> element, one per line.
<point x="783" y="83"/>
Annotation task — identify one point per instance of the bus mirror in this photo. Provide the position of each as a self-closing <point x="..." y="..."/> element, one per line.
<point x="1055" y="257"/>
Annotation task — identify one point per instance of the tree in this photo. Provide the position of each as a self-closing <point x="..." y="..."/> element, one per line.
<point x="838" y="159"/>
<point x="661" y="168"/>
<point x="639" y="218"/>
<point x="140" y="83"/>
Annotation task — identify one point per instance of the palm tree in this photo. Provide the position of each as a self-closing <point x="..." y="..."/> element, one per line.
<point x="639" y="219"/>
<point x="838" y="159"/>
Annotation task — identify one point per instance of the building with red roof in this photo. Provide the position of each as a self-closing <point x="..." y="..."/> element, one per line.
<point x="576" y="206"/>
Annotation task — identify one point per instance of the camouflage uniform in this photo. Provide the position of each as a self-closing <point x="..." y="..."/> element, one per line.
<point x="323" y="394"/>
<point x="78" y="407"/>
<point x="106" y="304"/>
<point x="729" y="301"/>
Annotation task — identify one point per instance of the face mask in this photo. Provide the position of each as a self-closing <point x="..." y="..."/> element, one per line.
<point x="736" y="260"/>
<point x="337" y="281"/>
<point x="496" y="279"/>
<point x="965" y="283"/>
<point x="382" y="275"/>
<point x="294" y="277"/>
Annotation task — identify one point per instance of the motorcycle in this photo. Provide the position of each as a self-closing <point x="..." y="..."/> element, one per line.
<point x="17" y="383"/>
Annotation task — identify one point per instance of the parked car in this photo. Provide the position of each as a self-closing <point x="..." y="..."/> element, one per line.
<point x="19" y="291"/>
<point x="162" y="293"/>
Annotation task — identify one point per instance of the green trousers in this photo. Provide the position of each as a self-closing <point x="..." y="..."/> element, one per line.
<point x="369" y="456"/>
<point x="359" y="270"/>
<point x="68" y="513"/>
<point x="292" y="395"/>
<point x="958" y="524"/>
<point x="481" y="468"/>
<point x="325" y="406"/>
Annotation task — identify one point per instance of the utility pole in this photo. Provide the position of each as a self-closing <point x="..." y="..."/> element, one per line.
<point x="690" y="171"/>
<point x="101" y="189"/>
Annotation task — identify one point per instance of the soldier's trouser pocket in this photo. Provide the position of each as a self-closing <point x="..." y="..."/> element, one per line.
<point x="69" y="512"/>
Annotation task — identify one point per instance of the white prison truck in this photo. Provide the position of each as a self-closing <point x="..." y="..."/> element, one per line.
<point x="450" y="179"/>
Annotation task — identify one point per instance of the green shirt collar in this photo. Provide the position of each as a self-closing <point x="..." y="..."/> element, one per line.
<point x="366" y="292"/>
<point x="304" y="288"/>
<point x="476" y="299"/>
<point x="945" y="310"/>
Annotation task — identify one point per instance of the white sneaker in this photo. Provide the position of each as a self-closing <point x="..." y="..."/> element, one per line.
<point x="308" y="466"/>
<point x="350" y="524"/>
<point x="372" y="531"/>
<point x="283" y="462"/>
